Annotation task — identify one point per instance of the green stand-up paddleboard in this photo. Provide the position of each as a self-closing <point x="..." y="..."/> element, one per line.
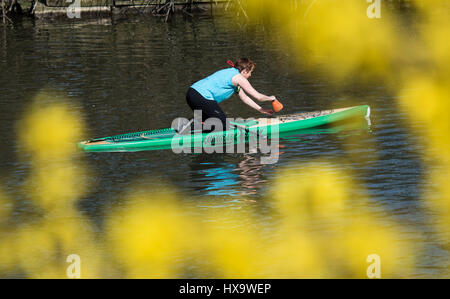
<point x="169" y="138"/>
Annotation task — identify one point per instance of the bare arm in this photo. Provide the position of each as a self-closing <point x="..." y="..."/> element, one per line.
<point x="251" y="103"/>
<point x="239" y="80"/>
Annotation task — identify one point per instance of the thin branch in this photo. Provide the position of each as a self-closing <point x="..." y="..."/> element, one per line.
<point x="308" y="9"/>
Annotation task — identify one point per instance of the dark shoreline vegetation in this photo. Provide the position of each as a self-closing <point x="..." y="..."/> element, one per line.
<point x="54" y="9"/>
<point x="58" y="9"/>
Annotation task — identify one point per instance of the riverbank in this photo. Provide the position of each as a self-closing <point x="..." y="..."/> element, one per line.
<point x="76" y="9"/>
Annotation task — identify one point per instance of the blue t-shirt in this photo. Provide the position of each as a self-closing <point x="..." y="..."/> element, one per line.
<point x="219" y="86"/>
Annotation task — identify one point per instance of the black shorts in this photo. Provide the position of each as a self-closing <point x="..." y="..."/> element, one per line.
<point x="209" y="108"/>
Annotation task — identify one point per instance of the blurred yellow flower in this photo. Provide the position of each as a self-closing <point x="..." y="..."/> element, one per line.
<point x="150" y="235"/>
<point x="4" y="207"/>
<point x="50" y="131"/>
<point x="311" y="193"/>
<point x="56" y="185"/>
<point x="426" y="101"/>
<point x="363" y="238"/>
<point x="323" y="224"/>
<point x="40" y="249"/>
<point x="297" y="254"/>
<point x="8" y="262"/>
<point x="333" y="35"/>
<point x="234" y="246"/>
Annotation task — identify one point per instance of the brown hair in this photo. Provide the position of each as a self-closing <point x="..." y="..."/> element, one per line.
<point x="244" y="64"/>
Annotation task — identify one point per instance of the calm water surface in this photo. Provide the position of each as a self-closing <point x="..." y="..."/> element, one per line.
<point x="130" y="75"/>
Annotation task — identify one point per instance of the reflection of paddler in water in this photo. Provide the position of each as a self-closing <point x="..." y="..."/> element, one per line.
<point x="214" y="174"/>
<point x="221" y="175"/>
<point x="250" y="173"/>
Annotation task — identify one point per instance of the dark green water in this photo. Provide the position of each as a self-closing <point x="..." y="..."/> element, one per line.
<point x="131" y="75"/>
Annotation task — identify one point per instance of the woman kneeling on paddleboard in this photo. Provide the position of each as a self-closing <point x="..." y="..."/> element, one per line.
<point x="205" y="94"/>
